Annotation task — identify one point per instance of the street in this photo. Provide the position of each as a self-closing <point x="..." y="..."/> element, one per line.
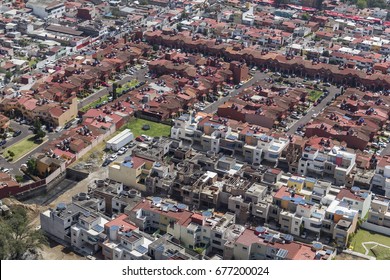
<point x="139" y="75"/>
<point x="211" y="108"/>
<point x="314" y="110"/>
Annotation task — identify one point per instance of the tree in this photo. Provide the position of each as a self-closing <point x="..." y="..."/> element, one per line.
<point x="305" y="16"/>
<point x="32" y="166"/>
<point x="361" y="4"/>
<point x="114" y="91"/>
<point x="17" y="236"/>
<point x="40" y="134"/>
<point x="8" y="75"/>
<point x="37" y="125"/>
<point x="326" y="53"/>
<point x="179" y="26"/>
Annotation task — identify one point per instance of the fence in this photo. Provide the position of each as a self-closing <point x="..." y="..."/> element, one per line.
<point x="376" y="228"/>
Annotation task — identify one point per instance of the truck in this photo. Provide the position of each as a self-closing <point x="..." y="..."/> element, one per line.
<point x="120" y="140"/>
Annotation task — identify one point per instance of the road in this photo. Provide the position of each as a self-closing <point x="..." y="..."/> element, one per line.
<point x="139" y="75"/>
<point x="314" y="110"/>
<point x="14" y="166"/>
<point x="212" y="108"/>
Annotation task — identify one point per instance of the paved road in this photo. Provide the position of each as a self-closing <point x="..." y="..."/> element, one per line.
<point x="14" y="167"/>
<point x="314" y="110"/>
<point x="139" y="75"/>
<point x="212" y="108"/>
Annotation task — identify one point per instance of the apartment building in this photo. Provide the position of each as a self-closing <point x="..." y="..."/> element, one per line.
<point x="57" y="222"/>
<point x="85" y="234"/>
<point x="264" y="244"/>
<point x="340" y="221"/>
<point x="158" y="215"/>
<point x="359" y="200"/>
<point x="335" y="163"/>
<point x="379" y="214"/>
<point x="131" y="172"/>
<point x="165" y="248"/>
<point x="381" y="179"/>
<point x="123" y="241"/>
<point x="46" y="9"/>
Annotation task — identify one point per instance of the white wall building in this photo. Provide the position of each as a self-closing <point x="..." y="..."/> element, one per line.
<point x="46" y="8"/>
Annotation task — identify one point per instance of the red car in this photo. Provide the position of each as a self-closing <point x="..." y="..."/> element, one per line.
<point x="105" y="84"/>
<point x="140" y="139"/>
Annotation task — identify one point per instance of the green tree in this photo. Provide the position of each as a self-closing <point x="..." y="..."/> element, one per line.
<point x="114" y="91"/>
<point x="40" y="134"/>
<point x="305" y="16"/>
<point x="8" y="75"/>
<point x="326" y="53"/>
<point x="32" y="166"/>
<point x="17" y="235"/>
<point x="37" y="124"/>
<point x="361" y="4"/>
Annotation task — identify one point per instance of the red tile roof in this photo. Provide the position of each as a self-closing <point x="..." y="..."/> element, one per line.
<point x="180" y="217"/>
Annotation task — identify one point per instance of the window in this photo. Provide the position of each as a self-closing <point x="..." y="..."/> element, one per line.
<point x="190" y="232"/>
<point x="237" y="206"/>
<point x="217" y="242"/>
<point x="245" y="248"/>
<point x="218" y="235"/>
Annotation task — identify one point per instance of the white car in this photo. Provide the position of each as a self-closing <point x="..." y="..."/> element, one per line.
<point x="113" y="157"/>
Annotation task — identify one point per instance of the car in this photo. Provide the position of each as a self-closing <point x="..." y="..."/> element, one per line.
<point x="113" y="157"/>
<point x="3" y="142"/>
<point x="6" y="170"/>
<point x="304" y="234"/>
<point x="68" y="125"/>
<point x="328" y="240"/>
<point x="122" y="151"/>
<point x="132" y="144"/>
<point x="139" y="139"/>
<point x="105" y="84"/>
<point x="146" y="137"/>
<point x="326" y="85"/>
<point x="16" y="133"/>
<point x="23" y="121"/>
<point x="328" y="103"/>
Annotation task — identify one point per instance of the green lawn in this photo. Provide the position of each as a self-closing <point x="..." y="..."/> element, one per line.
<point x="381" y="253"/>
<point x="365" y="236"/>
<point x="93" y="104"/>
<point x="124" y="87"/>
<point x="156" y="129"/>
<point x="314" y="95"/>
<point x="21" y="148"/>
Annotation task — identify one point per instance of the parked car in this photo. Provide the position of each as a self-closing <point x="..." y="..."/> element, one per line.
<point x="3" y="142"/>
<point x="68" y="125"/>
<point x="139" y="139"/>
<point x="17" y="133"/>
<point x="304" y="234"/>
<point x="113" y="157"/>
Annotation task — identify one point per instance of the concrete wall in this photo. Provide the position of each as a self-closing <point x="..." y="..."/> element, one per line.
<point x="376" y="228"/>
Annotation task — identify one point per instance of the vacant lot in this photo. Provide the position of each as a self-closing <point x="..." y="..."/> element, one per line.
<point x="156" y="129"/>
<point x="21" y="148"/>
<point x="366" y="236"/>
